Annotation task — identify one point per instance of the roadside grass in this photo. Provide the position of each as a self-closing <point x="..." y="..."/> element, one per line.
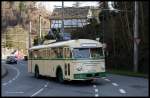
<point x="127" y="73"/>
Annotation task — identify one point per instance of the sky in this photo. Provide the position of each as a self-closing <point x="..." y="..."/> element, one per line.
<point x="49" y="5"/>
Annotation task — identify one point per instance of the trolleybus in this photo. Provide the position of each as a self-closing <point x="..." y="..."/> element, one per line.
<point x="81" y="59"/>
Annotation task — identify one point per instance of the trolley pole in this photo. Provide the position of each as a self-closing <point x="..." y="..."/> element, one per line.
<point x="136" y="37"/>
<point x="39" y="41"/>
<point x="30" y="35"/>
<point x="62" y="17"/>
<point x="29" y="39"/>
<point x="40" y="27"/>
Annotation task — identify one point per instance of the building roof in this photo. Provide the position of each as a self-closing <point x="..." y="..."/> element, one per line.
<point x="70" y="13"/>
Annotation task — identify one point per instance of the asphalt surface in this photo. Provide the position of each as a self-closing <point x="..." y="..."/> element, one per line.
<point x="3" y="70"/>
<point x="18" y="82"/>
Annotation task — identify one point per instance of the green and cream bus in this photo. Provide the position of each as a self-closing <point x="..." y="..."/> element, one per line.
<point x="81" y="59"/>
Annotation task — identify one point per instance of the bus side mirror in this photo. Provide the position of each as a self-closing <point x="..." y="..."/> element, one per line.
<point x="106" y="53"/>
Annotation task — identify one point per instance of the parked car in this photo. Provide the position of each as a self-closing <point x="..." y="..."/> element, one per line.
<point x="25" y="58"/>
<point x="11" y="59"/>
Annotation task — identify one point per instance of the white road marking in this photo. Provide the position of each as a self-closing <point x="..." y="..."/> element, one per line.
<point x="115" y="84"/>
<point x="96" y="95"/>
<point x="46" y="85"/>
<point x="94" y="86"/>
<point x="14" y="92"/>
<point x="96" y="90"/>
<point x="107" y="80"/>
<point x="103" y="77"/>
<point x="20" y="63"/>
<point x="40" y="90"/>
<point x="14" y="78"/>
<point x="122" y="91"/>
<point x="4" y="84"/>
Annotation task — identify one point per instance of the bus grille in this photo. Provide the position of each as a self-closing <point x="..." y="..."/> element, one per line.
<point x="89" y="75"/>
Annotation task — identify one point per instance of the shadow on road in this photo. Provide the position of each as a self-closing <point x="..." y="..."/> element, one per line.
<point x="75" y="82"/>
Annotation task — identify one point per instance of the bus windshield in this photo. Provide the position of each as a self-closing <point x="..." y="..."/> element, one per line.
<point x="81" y="53"/>
<point x="94" y="53"/>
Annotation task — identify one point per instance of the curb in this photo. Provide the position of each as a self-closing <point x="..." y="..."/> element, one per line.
<point x="4" y="71"/>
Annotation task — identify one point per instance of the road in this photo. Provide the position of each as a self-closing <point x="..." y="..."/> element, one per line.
<point x="19" y="82"/>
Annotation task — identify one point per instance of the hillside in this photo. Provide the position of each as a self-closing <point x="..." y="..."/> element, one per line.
<point x="16" y="17"/>
<point x="14" y="13"/>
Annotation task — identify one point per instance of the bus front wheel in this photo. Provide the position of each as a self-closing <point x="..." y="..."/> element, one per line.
<point x="36" y="74"/>
<point x="60" y="76"/>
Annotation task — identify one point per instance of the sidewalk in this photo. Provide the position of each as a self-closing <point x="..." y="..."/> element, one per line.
<point x="3" y="70"/>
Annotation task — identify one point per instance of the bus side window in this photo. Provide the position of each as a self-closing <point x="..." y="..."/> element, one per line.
<point x="48" y="53"/>
<point x="53" y="52"/>
<point x="31" y="54"/>
<point x="41" y="53"/>
<point x="56" y="52"/>
<point x="64" y="52"/>
<point x="60" y="53"/>
<point x="38" y="54"/>
<point x="35" y="53"/>
<point x="45" y="52"/>
<point x="68" y="53"/>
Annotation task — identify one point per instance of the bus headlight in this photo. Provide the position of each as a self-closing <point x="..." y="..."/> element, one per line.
<point x="103" y="66"/>
<point x="79" y="68"/>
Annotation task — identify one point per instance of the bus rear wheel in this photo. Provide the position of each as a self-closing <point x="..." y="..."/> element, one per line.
<point x="89" y="81"/>
<point x="60" y="76"/>
<point x="36" y="74"/>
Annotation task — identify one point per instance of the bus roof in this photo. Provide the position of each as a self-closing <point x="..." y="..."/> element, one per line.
<point x="79" y="43"/>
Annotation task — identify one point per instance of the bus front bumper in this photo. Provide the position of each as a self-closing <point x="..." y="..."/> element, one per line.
<point x="88" y="76"/>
